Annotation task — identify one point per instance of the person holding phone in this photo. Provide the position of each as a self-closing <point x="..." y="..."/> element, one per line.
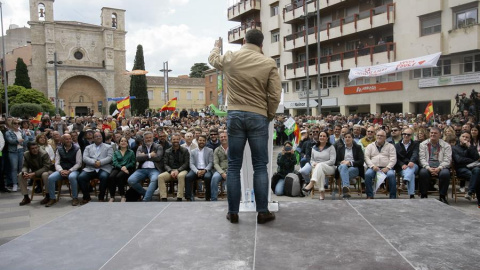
<point x="286" y="161"/>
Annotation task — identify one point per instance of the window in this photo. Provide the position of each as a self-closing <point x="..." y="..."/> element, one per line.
<point x="200" y="95"/>
<point x="351" y="45"/>
<point x="211" y="95"/>
<point x="326" y="51"/>
<point x="275" y="36"/>
<point x="273" y="10"/>
<point x="177" y="94"/>
<point x="471" y="63"/>
<point x="329" y="81"/>
<point x="359" y="81"/>
<point x="189" y="95"/>
<point x="390" y="77"/>
<point x="150" y="94"/>
<point x="277" y="60"/>
<point x="285" y="87"/>
<point x="301" y="85"/>
<point x="466" y="17"/>
<point x="430" y="24"/>
<point x="444" y="67"/>
<point x="210" y="78"/>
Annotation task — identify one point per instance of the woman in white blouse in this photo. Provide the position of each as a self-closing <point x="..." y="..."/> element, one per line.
<point x="323" y="163"/>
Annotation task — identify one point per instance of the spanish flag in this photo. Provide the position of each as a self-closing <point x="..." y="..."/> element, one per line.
<point x="170" y="106"/>
<point x="123" y="104"/>
<point x="429" y="111"/>
<point x="37" y="119"/>
<point x="296" y="132"/>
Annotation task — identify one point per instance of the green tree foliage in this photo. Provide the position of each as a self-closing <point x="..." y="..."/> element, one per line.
<point x="19" y="95"/>
<point x="25" y="110"/>
<point x="21" y="74"/>
<point x="198" y="69"/>
<point x="113" y="107"/>
<point x="138" y="85"/>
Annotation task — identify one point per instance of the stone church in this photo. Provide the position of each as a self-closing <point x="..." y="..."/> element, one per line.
<point x="92" y="58"/>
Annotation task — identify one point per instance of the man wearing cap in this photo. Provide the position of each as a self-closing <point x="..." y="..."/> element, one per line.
<point x="85" y="138"/>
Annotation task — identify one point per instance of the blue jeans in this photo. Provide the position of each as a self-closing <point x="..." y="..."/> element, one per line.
<point x="252" y="127"/>
<point x="55" y="177"/>
<point x="279" y="187"/>
<point x="84" y="182"/>
<point x="409" y="175"/>
<point x="190" y="179"/>
<point x="469" y="175"/>
<point x="392" y="182"/>
<point x="140" y="175"/>
<point x="216" y="178"/>
<point x="347" y="173"/>
<point x="16" y="164"/>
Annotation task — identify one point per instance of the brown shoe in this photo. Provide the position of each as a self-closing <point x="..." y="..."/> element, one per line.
<point x="232" y="217"/>
<point x="369" y="198"/>
<point x="25" y="200"/>
<point x="84" y="202"/>
<point x="265" y="217"/>
<point x="51" y="202"/>
<point x="75" y="202"/>
<point x="45" y="200"/>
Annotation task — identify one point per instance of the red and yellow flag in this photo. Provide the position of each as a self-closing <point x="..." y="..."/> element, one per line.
<point x="37" y="119"/>
<point x="170" y="106"/>
<point x="296" y="133"/>
<point x="123" y="104"/>
<point x="429" y="111"/>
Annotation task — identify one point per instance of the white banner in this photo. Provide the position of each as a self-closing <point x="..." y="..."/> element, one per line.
<point x="404" y="65"/>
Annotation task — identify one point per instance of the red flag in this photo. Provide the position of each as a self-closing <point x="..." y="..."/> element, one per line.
<point x="296" y="132"/>
<point x="37" y="119"/>
<point x="429" y="111"/>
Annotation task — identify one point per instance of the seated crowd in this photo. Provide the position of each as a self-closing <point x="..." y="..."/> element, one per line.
<point x="146" y="154"/>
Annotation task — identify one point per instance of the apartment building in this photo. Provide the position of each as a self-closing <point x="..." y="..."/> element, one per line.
<point x="358" y="33"/>
<point x="214" y="85"/>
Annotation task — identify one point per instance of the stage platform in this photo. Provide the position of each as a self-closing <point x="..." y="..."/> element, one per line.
<point x="356" y="234"/>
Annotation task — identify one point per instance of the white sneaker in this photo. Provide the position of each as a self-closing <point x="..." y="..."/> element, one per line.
<point x="462" y="190"/>
<point x="156" y="192"/>
<point x="15" y="188"/>
<point x="468" y="196"/>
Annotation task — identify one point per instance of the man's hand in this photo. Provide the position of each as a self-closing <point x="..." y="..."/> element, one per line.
<point x="345" y="162"/>
<point x="224" y="176"/>
<point x="218" y="43"/>
<point x="174" y="174"/>
<point x="411" y="164"/>
<point x="375" y="168"/>
<point x="200" y="173"/>
<point x="153" y="154"/>
<point x="385" y="170"/>
<point x="64" y="173"/>
<point x="97" y="164"/>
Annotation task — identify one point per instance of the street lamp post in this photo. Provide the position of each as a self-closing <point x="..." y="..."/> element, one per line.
<point x="165" y="71"/>
<point x="4" y="63"/>
<point x="55" y="64"/>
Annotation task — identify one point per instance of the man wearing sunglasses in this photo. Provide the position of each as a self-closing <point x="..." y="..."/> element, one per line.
<point x="407" y="159"/>
<point x="396" y="135"/>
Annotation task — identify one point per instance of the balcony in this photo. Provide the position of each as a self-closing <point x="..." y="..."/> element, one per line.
<point x="462" y="39"/>
<point x="243" y="7"/>
<point x="296" y="10"/>
<point x="342" y="61"/>
<point x="365" y="20"/>
<point x="236" y="34"/>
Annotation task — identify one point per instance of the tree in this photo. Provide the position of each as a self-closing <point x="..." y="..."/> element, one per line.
<point x="25" y="110"/>
<point x="21" y="74"/>
<point x="113" y="107"/>
<point x="138" y="85"/>
<point x="198" y="69"/>
<point x="18" y="95"/>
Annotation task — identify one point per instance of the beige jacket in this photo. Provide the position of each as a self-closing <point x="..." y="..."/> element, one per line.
<point x="387" y="157"/>
<point x="444" y="156"/>
<point x="253" y="83"/>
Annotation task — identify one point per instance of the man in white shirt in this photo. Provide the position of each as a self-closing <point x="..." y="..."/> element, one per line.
<point x="201" y="164"/>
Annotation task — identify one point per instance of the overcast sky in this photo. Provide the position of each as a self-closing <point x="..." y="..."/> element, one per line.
<point x="181" y="32"/>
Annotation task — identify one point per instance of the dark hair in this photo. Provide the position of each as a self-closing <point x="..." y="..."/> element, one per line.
<point x="348" y="133"/>
<point x="254" y="36"/>
<point x="30" y="144"/>
<point x="328" y="140"/>
<point x="288" y="142"/>
<point x="203" y="136"/>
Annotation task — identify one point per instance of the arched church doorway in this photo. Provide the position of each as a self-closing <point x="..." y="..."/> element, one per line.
<point x="82" y="95"/>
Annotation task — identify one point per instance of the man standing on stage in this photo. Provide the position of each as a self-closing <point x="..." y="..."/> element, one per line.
<point x="254" y="90"/>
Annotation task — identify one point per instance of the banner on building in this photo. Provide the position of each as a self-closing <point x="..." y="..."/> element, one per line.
<point x="399" y="66"/>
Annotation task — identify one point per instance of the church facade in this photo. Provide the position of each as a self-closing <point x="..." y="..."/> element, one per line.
<point x="92" y="57"/>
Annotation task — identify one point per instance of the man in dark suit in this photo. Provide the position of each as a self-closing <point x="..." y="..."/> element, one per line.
<point x="349" y="162"/>
<point x="407" y="160"/>
<point x="201" y="165"/>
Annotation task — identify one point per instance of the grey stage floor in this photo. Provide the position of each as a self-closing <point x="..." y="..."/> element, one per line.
<point x="374" y="234"/>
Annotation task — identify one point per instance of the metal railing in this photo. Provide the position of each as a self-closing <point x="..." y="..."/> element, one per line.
<point x="244" y="27"/>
